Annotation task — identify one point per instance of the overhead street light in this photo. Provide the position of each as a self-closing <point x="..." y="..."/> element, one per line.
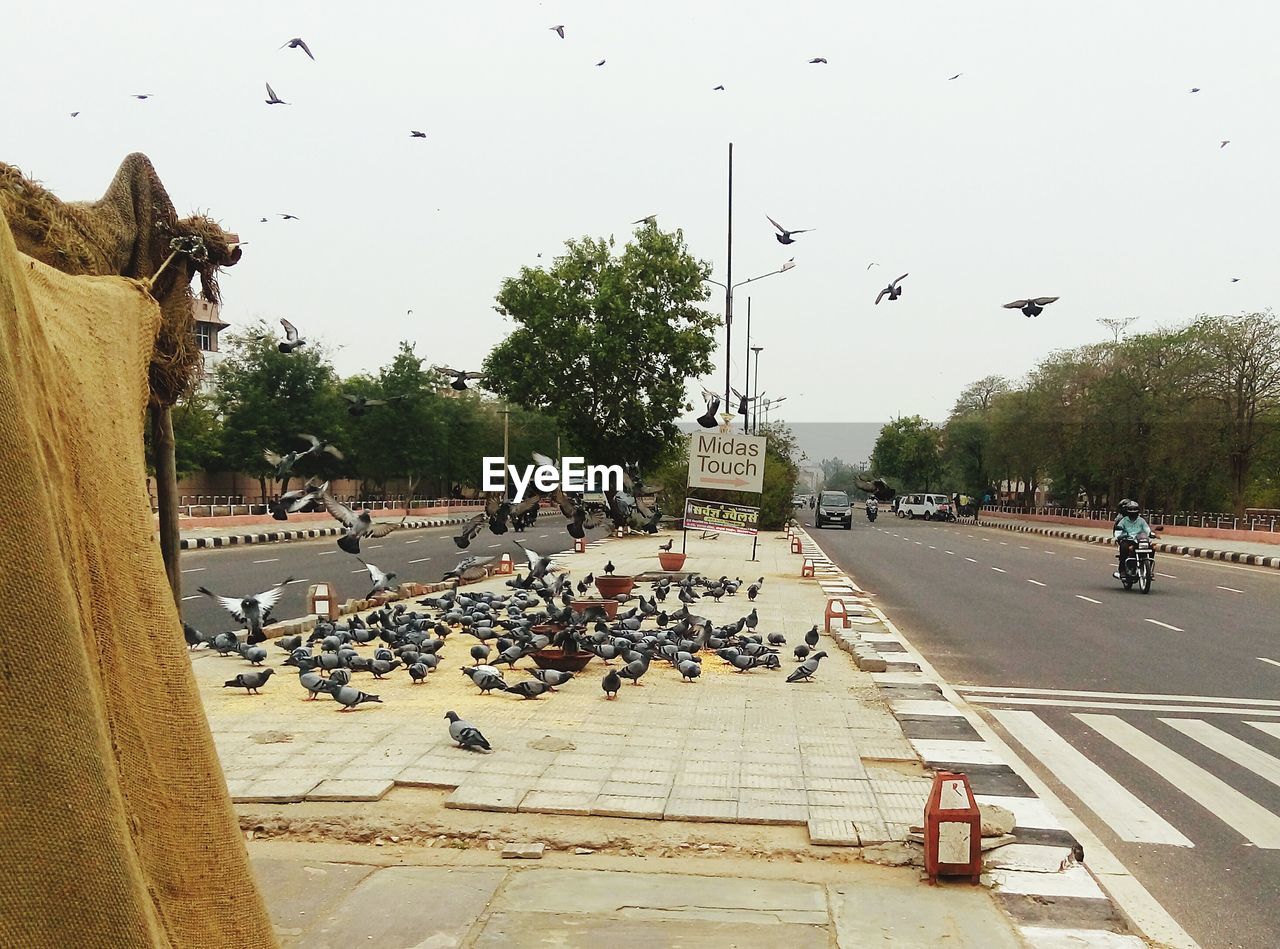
<point x="728" y="317"/>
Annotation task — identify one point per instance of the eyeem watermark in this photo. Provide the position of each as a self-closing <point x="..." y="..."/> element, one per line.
<point x="573" y="474"/>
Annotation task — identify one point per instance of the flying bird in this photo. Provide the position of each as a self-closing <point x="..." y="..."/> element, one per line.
<point x="290" y="217"/>
<point x="601" y="63"/>
<point x="292" y="340"/>
<point x="1225" y="143"/>
<point x="465" y="734"/>
<point x="894" y="290"/>
<point x="460" y="377"/>
<point x="742" y="401"/>
<point x="818" y="59"/>
<point x="381" y="580"/>
<point x="558" y="30"/>
<point x="1235" y="279"/>
<point x="253" y="611"/>
<point x="651" y="220"/>
<point x="872" y="264"/>
<point x="784" y="236"/>
<point x="1033" y="306"/>
<point x="415" y="133"/>
<point x="74" y="114"/>
<point x="272" y="98"/>
<point x="717" y="88"/>
<point x="1195" y="89"/>
<point x="358" y="405"/>
<point x="144" y="95"/>
<point x="358" y="525"/>
<point x="956" y="76"/>
<point x="298" y="43"/>
<point x="708" y="420"/>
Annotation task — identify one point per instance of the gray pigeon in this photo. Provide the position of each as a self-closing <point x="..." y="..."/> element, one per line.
<point x="635" y="669"/>
<point x="528" y="689"/>
<point x="807" y="668"/>
<point x="480" y="652"/>
<point x="313" y="682"/>
<point x="349" y="697"/>
<point x="381" y="581"/>
<point x="380" y="667"/>
<point x="418" y="672"/>
<point x="340" y="677"/>
<point x="689" y="670"/>
<point x="611" y="683"/>
<point x="811" y="637"/>
<point x="552" y="677"/>
<point x="254" y="610"/>
<point x="465" y="734"/>
<point x="254" y="655"/>
<point x="358" y="526"/>
<point x="486" y="678"/>
<point x="251" y="681"/>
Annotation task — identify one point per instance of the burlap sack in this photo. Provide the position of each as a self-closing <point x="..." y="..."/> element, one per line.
<point x="115" y="824"/>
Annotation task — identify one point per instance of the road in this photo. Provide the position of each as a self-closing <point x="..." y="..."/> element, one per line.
<point x="414" y="555"/>
<point x="1155" y="717"/>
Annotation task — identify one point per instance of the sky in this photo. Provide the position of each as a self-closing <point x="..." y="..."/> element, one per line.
<point x="1068" y="159"/>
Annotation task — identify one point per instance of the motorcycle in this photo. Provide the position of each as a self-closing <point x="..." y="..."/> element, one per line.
<point x="1139" y="568"/>
<point x="872" y="512"/>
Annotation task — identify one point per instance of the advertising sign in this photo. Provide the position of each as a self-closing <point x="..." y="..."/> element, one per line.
<point x="728" y="462"/>
<point x="721" y="517"/>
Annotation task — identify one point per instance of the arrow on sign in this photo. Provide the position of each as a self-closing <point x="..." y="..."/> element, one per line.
<point x="736" y="482"/>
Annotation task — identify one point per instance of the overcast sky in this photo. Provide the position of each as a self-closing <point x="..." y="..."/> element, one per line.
<point x="1068" y="159"/>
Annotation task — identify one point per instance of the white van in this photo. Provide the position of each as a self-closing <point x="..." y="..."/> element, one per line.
<point x="932" y="507"/>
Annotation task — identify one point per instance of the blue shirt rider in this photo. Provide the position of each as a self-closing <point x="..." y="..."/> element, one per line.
<point x="1128" y="527"/>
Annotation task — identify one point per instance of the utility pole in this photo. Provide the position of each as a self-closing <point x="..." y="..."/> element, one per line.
<point x="728" y="292"/>
<point x="755" y="396"/>
<point x="1117" y="325"/>
<point x="746" y="389"/>
<point x="506" y="449"/>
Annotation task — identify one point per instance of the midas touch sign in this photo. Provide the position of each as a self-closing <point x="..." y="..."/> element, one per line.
<point x="727" y="462"/>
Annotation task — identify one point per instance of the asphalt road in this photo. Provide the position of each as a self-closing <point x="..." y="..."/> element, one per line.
<point x="414" y="555"/>
<point x="1155" y="717"/>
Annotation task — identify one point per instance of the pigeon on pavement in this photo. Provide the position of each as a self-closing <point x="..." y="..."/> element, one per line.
<point x="252" y="611"/>
<point x="611" y="683"/>
<point x="485" y="678"/>
<point x="418" y="672"/>
<point x="349" y="697"/>
<point x="465" y="734"/>
<point x="552" y="677"/>
<point x="251" y="681"/>
<point x="528" y="689"/>
<point x="313" y="682"/>
<point x="807" y="668"/>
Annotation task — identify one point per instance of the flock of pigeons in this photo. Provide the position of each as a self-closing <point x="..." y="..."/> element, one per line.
<point x="538" y="614"/>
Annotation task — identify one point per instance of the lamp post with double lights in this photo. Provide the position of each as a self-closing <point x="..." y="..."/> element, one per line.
<point x="755" y="398"/>
<point x="728" y="323"/>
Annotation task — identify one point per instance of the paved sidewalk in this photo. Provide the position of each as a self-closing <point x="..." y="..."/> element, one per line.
<point x="1230" y="551"/>
<point x="349" y="895"/>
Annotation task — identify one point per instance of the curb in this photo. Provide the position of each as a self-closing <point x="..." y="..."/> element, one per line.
<point x="273" y="537"/>
<point x="1051" y="895"/>
<point x="1204" y="553"/>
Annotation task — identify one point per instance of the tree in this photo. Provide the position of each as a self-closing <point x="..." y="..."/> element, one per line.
<point x="837" y="475"/>
<point x="977" y="396"/>
<point x="909" y="450"/>
<point x="604" y="343"/>
<point x="1240" y="373"/>
<point x="266" y="398"/>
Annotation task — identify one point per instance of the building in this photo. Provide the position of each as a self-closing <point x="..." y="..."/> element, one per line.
<point x="208" y="325"/>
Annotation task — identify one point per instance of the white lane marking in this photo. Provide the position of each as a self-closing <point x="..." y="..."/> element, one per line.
<point x="271" y="560"/>
<point x="491" y="546"/>
<point x="986" y="540"/>
<point x="931" y="547"/>
<point x="998" y="570"/>
<point x="194" y="596"/>
<point x="1077" y="558"/>
<point x="1004" y="543"/>
<point x="373" y="546"/>
<point x="1231" y="589"/>
<point x="361" y="570"/>
<point x="970" y="559"/>
<point x="420" y="560"/>
<point x="1051" y="553"/>
<point x="1037" y="583"/>
<point x="1272" y="661"/>
<point x="1081" y="596"/>
<point x="1153" y="696"/>
<point x="1118" y="807"/>
<point x="1229" y="746"/>
<point x="303" y="580"/>
<point x="327" y="553"/>
<point x="919" y="544"/>
<point x="1156" y="622"/>
<point x="193" y="570"/>
<point x="951" y="552"/>
<point x="1167" y="576"/>
<point x="1247" y="817"/>
<point x="408" y="542"/>
<point x="968" y="535"/>
<point x="1021" y="547"/>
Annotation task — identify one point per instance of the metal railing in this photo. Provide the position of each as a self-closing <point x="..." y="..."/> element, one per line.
<point x="235" y="505"/>
<point x="1255" y="522"/>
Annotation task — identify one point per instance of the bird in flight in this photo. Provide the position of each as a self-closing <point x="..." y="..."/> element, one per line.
<point x="290" y="217"/>
<point x="1225" y="143"/>
<point x="291" y="340"/>
<point x="144" y="95"/>
<point x="601" y="63"/>
<point x="651" y="220"/>
<point x="818" y="59"/>
<point x="956" y="76"/>
<point x="414" y="133"/>
<point x="272" y="98"/>
<point x="559" y="30"/>
<point x="708" y="420"/>
<point x="460" y="377"/>
<point x="1235" y="279"/>
<point x="1195" y="89"/>
<point x="74" y="114"/>
<point x="784" y="236"/>
<point x="1033" y="306"/>
<point x="717" y="88"/>
<point x="872" y="264"/>
<point x="299" y="43"/>
<point x="894" y="290"/>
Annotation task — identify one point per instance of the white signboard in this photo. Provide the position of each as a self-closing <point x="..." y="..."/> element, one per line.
<point x="727" y="462"/>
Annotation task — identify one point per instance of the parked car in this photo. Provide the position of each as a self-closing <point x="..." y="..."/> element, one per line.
<point x="833" y="507"/>
<point x="931" y="507"/>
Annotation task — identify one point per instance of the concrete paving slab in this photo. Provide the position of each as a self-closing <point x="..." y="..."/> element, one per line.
<point x="503" y="930"/>
<point x="298" y="888"/>
<point x="953" y="915"/>
<point x="339" y="789"/>
<point x="503" y="800"/>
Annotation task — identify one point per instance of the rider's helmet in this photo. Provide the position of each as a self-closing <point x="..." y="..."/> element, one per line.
<point x="1130" y="509"/>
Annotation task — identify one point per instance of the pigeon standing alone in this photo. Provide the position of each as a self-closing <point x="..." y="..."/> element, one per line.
<point x="465" y="734"/>
<point x="611" y="683"/>
<point x="251" y="681"/>
<point x="806" y="670"/>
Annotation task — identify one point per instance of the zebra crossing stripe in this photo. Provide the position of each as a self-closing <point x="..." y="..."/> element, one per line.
<point x="1271" y="728"/>
<point x="1119" y="808"/>
<point x="1229" y="746"/>
<point x="1246" y="816"/>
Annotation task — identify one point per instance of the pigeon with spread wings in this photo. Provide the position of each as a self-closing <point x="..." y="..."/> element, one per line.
<point x="1033" y="306"/>
<point x="460" y="377"/>
<point x="893" y="291"/>
<point x="784" y="236"/>
<point x="299" y="43"/>
<point x="292" y="340"/>
<point x="253" y="611"/>
<point x="743" y="401"/>
<point x="708" y="419"/>
<point x="358" y="525"/>
<point x="381" y="580"/>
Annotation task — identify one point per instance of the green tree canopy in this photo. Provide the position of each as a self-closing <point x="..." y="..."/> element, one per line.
<point x="605" y="342"/>
<point x="908" y="451"/>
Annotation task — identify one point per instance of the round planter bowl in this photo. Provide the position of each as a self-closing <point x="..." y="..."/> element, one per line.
<point x="613" y="586"/>
<point x="610" y="606"/>
<point x="670" y="561"/>
<point x="556" y="659"/>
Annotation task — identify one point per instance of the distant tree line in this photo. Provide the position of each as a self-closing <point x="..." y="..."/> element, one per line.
<point x="1179" y="419"/>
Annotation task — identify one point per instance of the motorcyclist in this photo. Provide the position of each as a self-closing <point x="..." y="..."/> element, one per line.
<point x="1128" y="527"/>
<point x="873" y="508"/>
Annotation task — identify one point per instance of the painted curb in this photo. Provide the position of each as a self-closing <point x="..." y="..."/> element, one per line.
<point x="1203" y="553"/>
<point x="1053" y="898"/>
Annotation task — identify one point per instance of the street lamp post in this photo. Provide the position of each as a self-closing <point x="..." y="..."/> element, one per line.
<point x="755" y="397"/>
<point x="728" y="310"/>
